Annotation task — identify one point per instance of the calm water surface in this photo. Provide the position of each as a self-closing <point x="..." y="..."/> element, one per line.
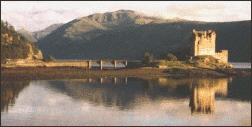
<point x="127" y="101"/>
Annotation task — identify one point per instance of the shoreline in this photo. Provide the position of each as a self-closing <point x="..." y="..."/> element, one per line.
<point x="52" y="73"/>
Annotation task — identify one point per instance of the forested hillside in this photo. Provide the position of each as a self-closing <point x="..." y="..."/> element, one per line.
<point x="13" y="45"/>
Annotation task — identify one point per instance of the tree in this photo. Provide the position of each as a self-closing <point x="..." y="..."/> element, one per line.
<point x="6" y="24"/>
<point x="147" y="58"/>
<point x="50" y="58"/>
<point x="11" y="28"/>
<point x="171" y="57"/>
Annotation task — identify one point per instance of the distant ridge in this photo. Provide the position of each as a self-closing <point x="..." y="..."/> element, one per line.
<point x="35" y="36"/>
<point x="28" y="35"/>
<point x="42" y="33"/>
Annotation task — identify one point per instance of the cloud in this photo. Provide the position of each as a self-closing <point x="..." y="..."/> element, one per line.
<point x="38" y="19"/>
<point x="210" y="11"/>
<point x="37" y="15"/>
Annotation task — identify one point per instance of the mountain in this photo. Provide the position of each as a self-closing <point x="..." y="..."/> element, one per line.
<point x="28" y="35"/>
<point x="126" y="34"/>
<point x="42" y="33"/>
<point x="35" y="36"/>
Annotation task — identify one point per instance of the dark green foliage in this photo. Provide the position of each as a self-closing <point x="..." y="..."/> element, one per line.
<point x="50" y="58"/>
<point x="35" y="50"/>
<point x="206" y="61"/>
<point x="14" y="51"/>
<point x="182" y="54"/>
<point x="147" y="58"/>
<point x="203" y="58"/>
<point x="171" y="57"/>
<point x="168" y="56"/>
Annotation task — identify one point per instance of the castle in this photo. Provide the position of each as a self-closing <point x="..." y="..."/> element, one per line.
<point x="203" y="43"/>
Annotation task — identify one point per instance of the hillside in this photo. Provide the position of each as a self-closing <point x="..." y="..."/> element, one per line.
<point x="42" y="33"/>
<point x="126" y="34"/>
<point x="28" y="35"/>
<point x="16" y="46"/>
<point x="35" y="36"/>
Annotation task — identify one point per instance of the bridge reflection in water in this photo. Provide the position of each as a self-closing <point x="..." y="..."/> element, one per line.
<point x="101" y="80"/>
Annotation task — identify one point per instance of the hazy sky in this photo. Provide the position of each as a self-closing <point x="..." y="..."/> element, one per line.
<point x="37" y="15"/>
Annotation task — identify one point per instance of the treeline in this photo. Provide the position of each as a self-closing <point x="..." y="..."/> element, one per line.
<point x="14" y="45"/>
<point x="182" y="54"/>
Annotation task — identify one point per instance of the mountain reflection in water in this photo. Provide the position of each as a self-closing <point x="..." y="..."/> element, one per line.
<point x="10" y="91"/>
<point x="163" y="96"/>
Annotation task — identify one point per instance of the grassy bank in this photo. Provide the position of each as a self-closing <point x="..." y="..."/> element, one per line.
<point x="50" y="73"/>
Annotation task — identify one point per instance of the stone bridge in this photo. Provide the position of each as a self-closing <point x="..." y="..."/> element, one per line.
<point x="101" y="62"/>
<point x="78" y="63"/>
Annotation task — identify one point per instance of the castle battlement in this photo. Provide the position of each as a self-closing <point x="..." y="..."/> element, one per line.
<point x="203" y="43"/>
<point x="203" y="34"/>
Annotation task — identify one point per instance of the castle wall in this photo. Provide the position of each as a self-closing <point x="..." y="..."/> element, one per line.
<point x="203" y="43"/>
<point x="222" y="56"/>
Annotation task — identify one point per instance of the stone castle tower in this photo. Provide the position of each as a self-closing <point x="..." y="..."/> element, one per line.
<point x="203" y="43"/>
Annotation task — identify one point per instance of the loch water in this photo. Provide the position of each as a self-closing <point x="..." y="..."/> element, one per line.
<point x="143" y="101"/>
<point x="127" y="101"/>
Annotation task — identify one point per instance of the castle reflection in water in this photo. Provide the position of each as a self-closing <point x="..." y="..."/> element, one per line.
<point x="126" y="93"/>
<point x="203" y="93"/>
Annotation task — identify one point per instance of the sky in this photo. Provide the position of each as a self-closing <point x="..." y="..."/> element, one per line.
<point x="37" y="15"/>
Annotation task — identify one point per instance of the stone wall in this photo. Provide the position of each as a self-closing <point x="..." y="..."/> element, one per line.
<point x="222" y="56"/>
<point x="203" y="42"/>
